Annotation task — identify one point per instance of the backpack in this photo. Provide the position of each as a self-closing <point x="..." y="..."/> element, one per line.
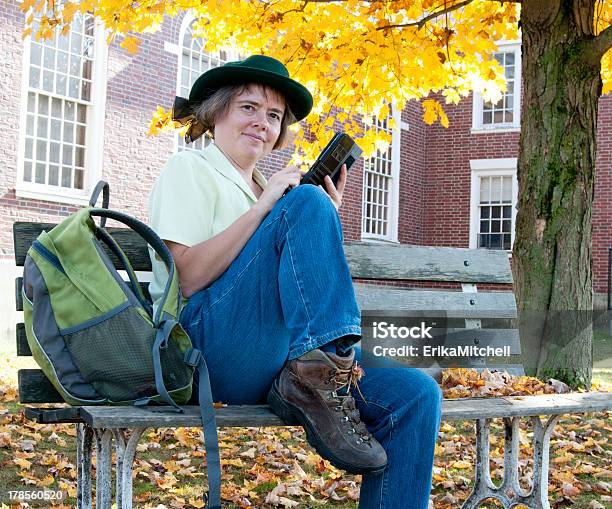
<point x="95" y="336"/>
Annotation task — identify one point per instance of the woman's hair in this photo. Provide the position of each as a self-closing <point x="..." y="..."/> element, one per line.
<point x="217" y="105"/>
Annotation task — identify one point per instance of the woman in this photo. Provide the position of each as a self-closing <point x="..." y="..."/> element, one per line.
<point x="270" y="298"/>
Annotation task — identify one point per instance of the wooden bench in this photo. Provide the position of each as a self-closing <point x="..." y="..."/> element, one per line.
<point x="484" y="317"/>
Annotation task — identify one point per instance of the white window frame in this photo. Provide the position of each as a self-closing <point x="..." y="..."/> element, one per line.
<point x="490" y="168"/>
<point x="396" y="139"/>
<point x="177" y="50"/>
<point x="94" y="134"/>
<point x="477" y="102"/>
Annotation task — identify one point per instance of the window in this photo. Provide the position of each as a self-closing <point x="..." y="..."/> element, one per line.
<point x="493" y="203"/>
<point x="505" y="113"/>
<point x="63" y="113"/>
<point x="193" y="61"/>
<point x="381" y="187"/>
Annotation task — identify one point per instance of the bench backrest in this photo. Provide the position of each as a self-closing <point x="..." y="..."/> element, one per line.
<point x="485" y="316"/>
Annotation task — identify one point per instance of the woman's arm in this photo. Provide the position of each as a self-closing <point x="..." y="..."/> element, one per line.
<point x="200" y="265"/>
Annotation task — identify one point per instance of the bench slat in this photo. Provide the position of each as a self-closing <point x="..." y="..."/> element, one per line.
<point x="35" y="387"/>
<point x="384" y="261"/>
<point x="366" y="260"/>
<point x="23" y="348"/>
<point x="18" y="297"/>
<point x="261" y="415"/>
<point x="445" y="303"/>
<point x="52" y="415"/>
<point x="132" y="244"/>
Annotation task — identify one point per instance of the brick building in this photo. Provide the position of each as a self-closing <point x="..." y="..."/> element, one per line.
<point x="76" y="111"/>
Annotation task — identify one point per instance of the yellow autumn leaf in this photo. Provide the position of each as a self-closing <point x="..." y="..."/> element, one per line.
<point x="461" y="464"/>
<point x="23" y="463"/>
<point x="131" y="44"/>
<point x="47" y="481"/>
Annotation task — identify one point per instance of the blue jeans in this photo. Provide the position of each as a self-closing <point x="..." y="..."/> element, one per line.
<point x="289" y="291"/>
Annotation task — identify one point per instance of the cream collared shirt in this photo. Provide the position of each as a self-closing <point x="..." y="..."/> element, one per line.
<point x="197" y="195"/>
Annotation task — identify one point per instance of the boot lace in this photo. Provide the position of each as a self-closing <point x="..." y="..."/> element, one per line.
<point x="344" y="380"/>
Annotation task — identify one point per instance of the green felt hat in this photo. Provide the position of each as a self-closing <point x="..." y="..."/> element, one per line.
<point x="255" y="69"/>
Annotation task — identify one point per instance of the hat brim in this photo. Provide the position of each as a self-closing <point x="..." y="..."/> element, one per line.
<point x="297" y="95"/>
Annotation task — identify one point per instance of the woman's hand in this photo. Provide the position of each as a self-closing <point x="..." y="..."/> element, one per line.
<point x="335" y="193"/>
<point x="277" y="184"/>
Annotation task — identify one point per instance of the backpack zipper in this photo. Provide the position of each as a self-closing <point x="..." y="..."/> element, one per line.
<point x="48" y="255"/>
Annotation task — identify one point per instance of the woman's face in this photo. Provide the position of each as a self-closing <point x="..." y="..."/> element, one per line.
<point x="252" y="125"/>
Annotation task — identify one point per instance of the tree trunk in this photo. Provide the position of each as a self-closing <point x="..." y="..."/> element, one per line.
<point x="552" y="249"/>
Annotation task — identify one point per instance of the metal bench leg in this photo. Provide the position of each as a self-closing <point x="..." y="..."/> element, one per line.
<point x="483" y="485"/>
<point x="84" y="451"/>
<point x="103" y="468"/>
<point x="509" y="492"/>
<point x="125" y="452"/>
<point x="538" y="497"/>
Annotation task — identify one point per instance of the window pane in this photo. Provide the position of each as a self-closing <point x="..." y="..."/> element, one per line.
<point x="41" y="132"/>
<point x="79" y="157"/>
<point x="49" y="58"/>
<point x="82" y="114"/>
<point x="487" y="117"/>
<point x="69" y="109"/>
<point x="485" y="190"/>
<point x="43" y="105"/>
<point x="29" y="148"/>
<point x="56" y="130"/>
<point x="27" y="171"/>
<point x="54" y="152"/>
<point x="40" y="173"/>
<point x="30" y="125"/>
<point x="68" y="132"/>
<point x="34" y="77"/>
<point x="56" y="108"/>
<point x="47" y="83"/>
<point x="73" y="88"/>
<point x="61" y="84"/>
<point x="78" y="179"/>
<point x="80" y="139"/>
<point x="507" y="189"/>
<point x="66" y="176"/>
<point x="86" y="90"/>
<point x="35" y="53"/>
<point x="495" y="189"/>
<point x="507" y="242"/>
<point x="41" y="150"/>
<point x="53" y="175"/>
<point x="495" y="212"/>
<point x="62" y="62"/>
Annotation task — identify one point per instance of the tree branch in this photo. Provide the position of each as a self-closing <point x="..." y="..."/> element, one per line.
<point x="602" y="43"/>
<point x="421" y="23"/>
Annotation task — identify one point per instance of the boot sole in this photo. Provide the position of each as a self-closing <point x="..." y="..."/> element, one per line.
<point x="291" y="414"/>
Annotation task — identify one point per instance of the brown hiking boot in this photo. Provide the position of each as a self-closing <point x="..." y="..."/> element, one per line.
<point x="307" y="391"/>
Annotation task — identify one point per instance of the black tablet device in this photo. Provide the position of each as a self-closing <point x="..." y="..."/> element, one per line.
<point x="342" y="149"/>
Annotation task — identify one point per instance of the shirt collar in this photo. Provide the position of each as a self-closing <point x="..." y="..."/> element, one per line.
<point x="222" y="164"/>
